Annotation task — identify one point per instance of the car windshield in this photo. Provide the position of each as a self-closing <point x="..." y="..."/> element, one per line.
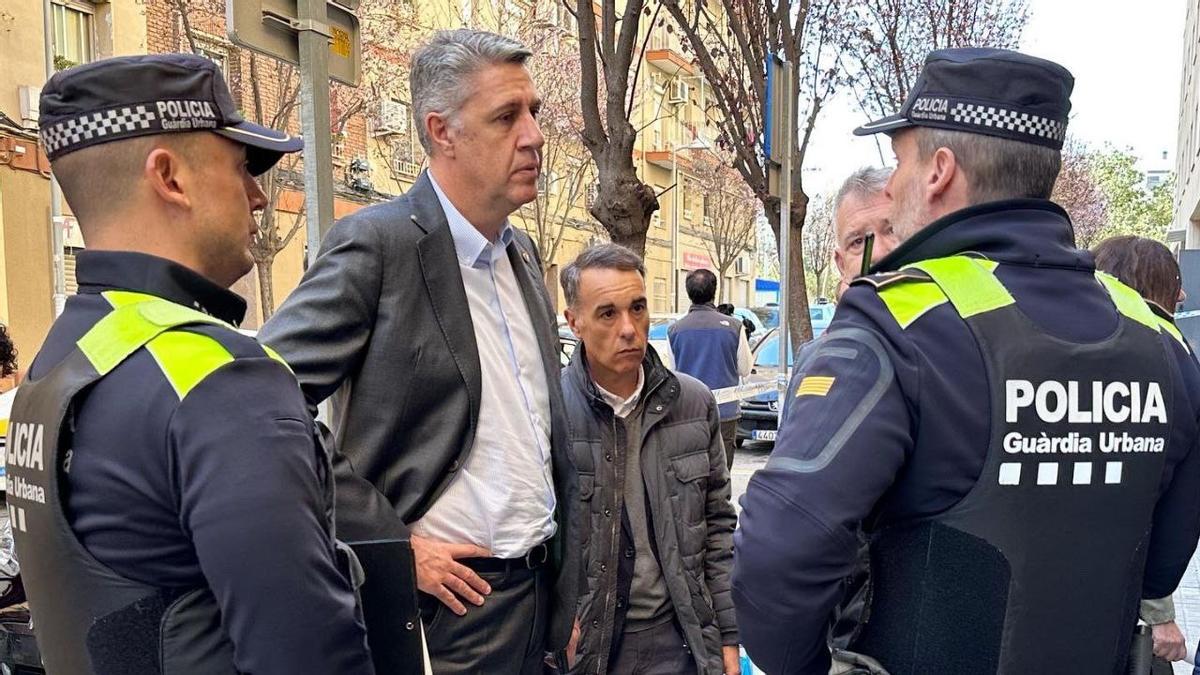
<point x="768" y="315"/>
<point x="768" y="353"/>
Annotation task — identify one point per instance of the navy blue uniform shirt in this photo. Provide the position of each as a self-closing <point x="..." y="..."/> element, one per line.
<point x="219" y="489"/>
<point x="796" y="539"/>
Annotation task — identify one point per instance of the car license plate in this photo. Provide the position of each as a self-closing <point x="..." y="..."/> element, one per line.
<point x="761" y="435"/>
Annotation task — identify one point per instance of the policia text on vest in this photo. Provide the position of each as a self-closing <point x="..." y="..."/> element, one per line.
<point x="1112" y="402"/>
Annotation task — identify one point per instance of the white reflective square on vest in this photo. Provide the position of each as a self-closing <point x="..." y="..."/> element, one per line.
<point x="1010" y="473"/>
<point x="1047" y="473"/>
<point x="1112" y="472"/>
<point x="1083" y="473"/>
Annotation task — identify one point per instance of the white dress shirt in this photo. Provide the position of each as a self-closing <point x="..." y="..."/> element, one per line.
<point x="503" y="496"/>
<point x="623" y="406"/>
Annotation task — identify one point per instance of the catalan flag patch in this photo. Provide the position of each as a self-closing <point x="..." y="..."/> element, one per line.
<point x="815" y="385"/>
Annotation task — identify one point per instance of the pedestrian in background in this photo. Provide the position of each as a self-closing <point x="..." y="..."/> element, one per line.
<point x="658" y="540"/>
<point x="711" y="347"/>
<point x="1148" y="267"/>
<point x="430" y="315"/>
<point x="861" y="208"/>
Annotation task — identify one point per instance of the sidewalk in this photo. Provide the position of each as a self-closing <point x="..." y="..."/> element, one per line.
<point x="753" y="456"/>
<point x="1187" y="610"/>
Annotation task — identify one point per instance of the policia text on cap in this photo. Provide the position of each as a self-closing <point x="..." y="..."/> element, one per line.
<point x="172" y="502"/>
<point x="1015" y="432"/>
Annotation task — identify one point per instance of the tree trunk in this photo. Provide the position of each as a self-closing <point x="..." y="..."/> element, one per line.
<point x="624" y="206"/>
<point x="550" y="279"/>
<point x="266" y="287"/>
<point x="722" y="284"/>
<point x="800" y="322"/>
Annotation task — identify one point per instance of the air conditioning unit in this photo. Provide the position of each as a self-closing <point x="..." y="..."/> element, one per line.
<point x="403" y="166"/>
<point x="391" y="117"/>
<point x="679" y="91"/>
<point x="29" y="96"/>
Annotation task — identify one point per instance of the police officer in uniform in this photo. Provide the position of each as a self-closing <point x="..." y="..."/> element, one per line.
<point x="170" y="499"/>
<point x="1014" y="430"/>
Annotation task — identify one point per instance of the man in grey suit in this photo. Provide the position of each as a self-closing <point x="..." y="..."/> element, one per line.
<point x="428" y="318"/>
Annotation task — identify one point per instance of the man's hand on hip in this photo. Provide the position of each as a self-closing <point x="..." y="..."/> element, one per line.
<point x="439" y="575"/>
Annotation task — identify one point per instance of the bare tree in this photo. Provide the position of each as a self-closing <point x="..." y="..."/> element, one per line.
<point x="820" y="237"/>
<point x="608" y="47"/>
<point x="730" y="213"/>
<point x="731" y="46"/>
<point x="273" y="90"/>
<point x="1078" y="191"/>
<point x="567" y="168"/>
<point x="894" y="36"/>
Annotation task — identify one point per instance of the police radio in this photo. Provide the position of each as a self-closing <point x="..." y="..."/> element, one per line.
<point x="868" y="244"/>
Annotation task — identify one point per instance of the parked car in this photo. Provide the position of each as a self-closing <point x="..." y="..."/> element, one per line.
<point x="760" y="414"/>
<point x="659" y="325"/>
<point x="820" y="314"/>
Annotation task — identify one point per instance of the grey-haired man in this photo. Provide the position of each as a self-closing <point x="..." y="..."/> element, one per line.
<point x="429" y="314"/>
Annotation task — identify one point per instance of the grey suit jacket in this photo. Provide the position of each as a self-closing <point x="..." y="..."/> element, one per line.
<point x="381" y="320"/>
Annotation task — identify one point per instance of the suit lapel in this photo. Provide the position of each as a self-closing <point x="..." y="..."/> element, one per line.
<point x="533" y="291"/>
<point x="444" y="284"/>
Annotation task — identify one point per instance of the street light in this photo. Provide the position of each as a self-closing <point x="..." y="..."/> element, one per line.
<point x="698" y="144"/>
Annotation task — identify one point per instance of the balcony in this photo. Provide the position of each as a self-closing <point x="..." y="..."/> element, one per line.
<point x="670" y="61"/>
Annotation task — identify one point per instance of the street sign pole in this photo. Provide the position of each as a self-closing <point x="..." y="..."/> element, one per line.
<point x="784" y="89"/>
<point x="321" y="37"/>
<point x="314" y="36"/>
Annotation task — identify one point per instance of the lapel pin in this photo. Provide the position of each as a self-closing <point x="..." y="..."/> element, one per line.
<point x="525" y="256"/>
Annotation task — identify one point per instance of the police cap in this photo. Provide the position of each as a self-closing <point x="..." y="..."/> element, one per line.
<point x="130" y="96"/>
<point x="995" y="92"/>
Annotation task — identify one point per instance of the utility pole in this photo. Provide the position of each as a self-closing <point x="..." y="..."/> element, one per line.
<point x="59" y="296"/>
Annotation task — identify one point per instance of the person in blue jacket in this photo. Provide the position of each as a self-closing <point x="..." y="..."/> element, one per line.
<point x="171" y="501"/>
<point x="1014" y="431"/>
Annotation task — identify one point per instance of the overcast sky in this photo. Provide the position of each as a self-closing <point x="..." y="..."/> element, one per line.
<point x="1126" y="57"/>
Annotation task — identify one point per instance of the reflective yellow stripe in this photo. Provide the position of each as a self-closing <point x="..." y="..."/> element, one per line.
<point x="969" y="283"/>
<point x="1173" y="331"/>
<point x="909" y="300"/>
<point x="187" y="358"/>
<point x="139" y="320"/>
<point x="275" y="355"/>
<point x="1128" y="301"/>
<point x="120" y="333"/>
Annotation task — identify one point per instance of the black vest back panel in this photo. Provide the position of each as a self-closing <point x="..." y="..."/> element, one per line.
<point x="1039" y="568"/>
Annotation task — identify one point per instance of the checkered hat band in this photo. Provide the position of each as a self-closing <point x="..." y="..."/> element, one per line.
<point x="995" y="117"/>
<point x="105" y="124"/>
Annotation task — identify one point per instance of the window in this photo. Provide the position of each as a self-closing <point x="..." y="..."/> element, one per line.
<point x="339" y="148"/>
<point x="565" y="20"/>
<point x="660" y="294"/>
<point x="73" y="36"/>
<point x="768" y="353"/>
<point x="217" y="55"/>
